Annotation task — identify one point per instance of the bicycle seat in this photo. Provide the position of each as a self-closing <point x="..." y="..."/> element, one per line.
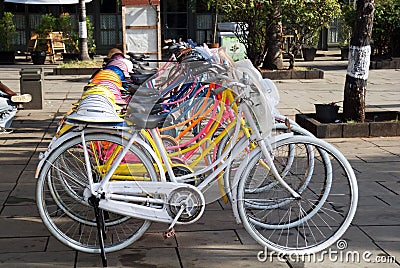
<point x="147" y="72"/>
<point x="145" y="108"/>
<point x="140" y="78"/>
<point x="136" y="56"/>
<point x="148" y="99"/>
<point x="146" y="95"/>
<point x="142" y="121"/>
<point x="174" y="48"/>
<point x="131" y="88"/>
<point x="95" y="108"/>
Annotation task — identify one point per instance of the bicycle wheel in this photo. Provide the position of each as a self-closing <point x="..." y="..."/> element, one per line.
<point x="314" y="221"/>
<point x="61" y="184"/>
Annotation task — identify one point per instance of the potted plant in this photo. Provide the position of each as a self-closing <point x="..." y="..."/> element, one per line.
<point x="213" y="5"/>
<point x="344" y="43"/>
<point x="72" y="38"/>
<point x="326" y="112"/>
<point x="309" y="48"/>
<point x="346" y="22"/>
<point x="43" y="30"/>
<point x="306" y="19"/>
<point x="386" y="31"/>
<point x="7" y="33"/>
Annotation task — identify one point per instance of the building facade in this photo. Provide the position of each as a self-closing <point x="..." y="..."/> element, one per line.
<point x="135" y="25"/>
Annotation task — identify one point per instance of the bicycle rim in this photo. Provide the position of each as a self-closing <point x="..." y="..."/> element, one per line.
<point x="65" y="212"/>
<point x="308" y="224"/>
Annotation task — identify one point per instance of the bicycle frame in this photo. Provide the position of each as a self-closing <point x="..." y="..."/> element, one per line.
<point x="106" y="187"/>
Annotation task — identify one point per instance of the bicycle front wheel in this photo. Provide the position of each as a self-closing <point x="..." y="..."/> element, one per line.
<point x="311" y="223"/>
<point x="62" y="182"/>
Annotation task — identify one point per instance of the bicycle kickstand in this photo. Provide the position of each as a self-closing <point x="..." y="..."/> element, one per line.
<point x="100" y="227"/>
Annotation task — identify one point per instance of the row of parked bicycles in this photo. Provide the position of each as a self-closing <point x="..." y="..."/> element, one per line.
<point x="147" y="145"/>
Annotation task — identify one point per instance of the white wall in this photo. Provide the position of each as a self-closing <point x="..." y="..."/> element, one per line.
<point x="142" y="30"/>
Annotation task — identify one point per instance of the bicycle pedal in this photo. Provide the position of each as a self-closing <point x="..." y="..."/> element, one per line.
<point x="169" y="233"/>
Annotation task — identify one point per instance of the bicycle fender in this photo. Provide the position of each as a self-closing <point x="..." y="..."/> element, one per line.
<point x="55" y="143"/>
<point x="269" y="140"/>
<point x="235" y="183"/>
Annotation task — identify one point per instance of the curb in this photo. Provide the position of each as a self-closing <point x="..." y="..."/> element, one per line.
<point x="72" y="71"/>
<point x="293" y="74"/>
<point x="378" y="124"/>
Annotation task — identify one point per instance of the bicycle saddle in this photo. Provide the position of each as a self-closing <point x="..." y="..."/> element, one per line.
<point x="145" y="108"/>
<point x="139" y="120"/>
<point x="147" y="100"/>
<point x="140" y="78"/>
<point x="136" y="56"/>
<point x="146" y="95"/>
<point x="131" y="88"/>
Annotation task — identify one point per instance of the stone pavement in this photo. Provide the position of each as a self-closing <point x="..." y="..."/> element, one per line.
<point x="215" y="240"/>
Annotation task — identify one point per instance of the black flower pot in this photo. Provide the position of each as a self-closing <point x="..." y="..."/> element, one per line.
<point x="7" y="57"/>
<point x="67" y="57"/>
<point x="344" y="53"/>
<point x="309" y="53"/>
<point x="326" y="113"/>
<point x="38" y="57"/>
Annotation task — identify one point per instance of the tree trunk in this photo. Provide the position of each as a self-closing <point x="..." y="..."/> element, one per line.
<point x="83" y="45"/>
<point x="293" y="52"/>
<point x="359" y="59"/>
<point x="215" y="24"/>
<point x="273" y="59"/>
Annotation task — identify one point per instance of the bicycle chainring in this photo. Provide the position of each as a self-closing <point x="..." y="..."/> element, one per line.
<point x="191" y="199"/>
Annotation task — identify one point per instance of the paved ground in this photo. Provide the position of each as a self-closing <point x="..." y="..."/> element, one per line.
<point x="214" y="241"/>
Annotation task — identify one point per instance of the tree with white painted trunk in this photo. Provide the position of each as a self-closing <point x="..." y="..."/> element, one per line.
<point x="83" y="45"/>
<point x="359" y="61"/>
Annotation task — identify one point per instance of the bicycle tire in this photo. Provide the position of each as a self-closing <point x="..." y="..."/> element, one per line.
<point x="314" y="221"/>
<point x="67" y="215"/>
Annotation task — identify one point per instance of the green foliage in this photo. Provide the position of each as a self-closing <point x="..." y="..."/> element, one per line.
<point x="346" y="22"/>
<point x="46" y="25"/>
<point x="386" y="27"/>
<point x="7" y="31"/>
<point x="90" y="38"/>
<point x="253" y="18"/>
<point x="43" y="29"/>
<point x="64" y="23"/>
<point x="306" y="18"/>
<point x="68" y="27"/>
<point x="81" y="64"/>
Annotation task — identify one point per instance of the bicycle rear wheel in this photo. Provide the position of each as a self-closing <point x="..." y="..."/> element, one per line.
<point x="63" y="180"/>
<point x="314" y="221"/>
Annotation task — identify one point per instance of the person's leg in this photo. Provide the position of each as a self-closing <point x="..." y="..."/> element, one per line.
<point x="6" y="92"/>
<point x="7" y="113"/>
<point x="5" y="89"/>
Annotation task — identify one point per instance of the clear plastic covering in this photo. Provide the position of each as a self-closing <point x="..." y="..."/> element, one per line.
<point x="175" y="81"/>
